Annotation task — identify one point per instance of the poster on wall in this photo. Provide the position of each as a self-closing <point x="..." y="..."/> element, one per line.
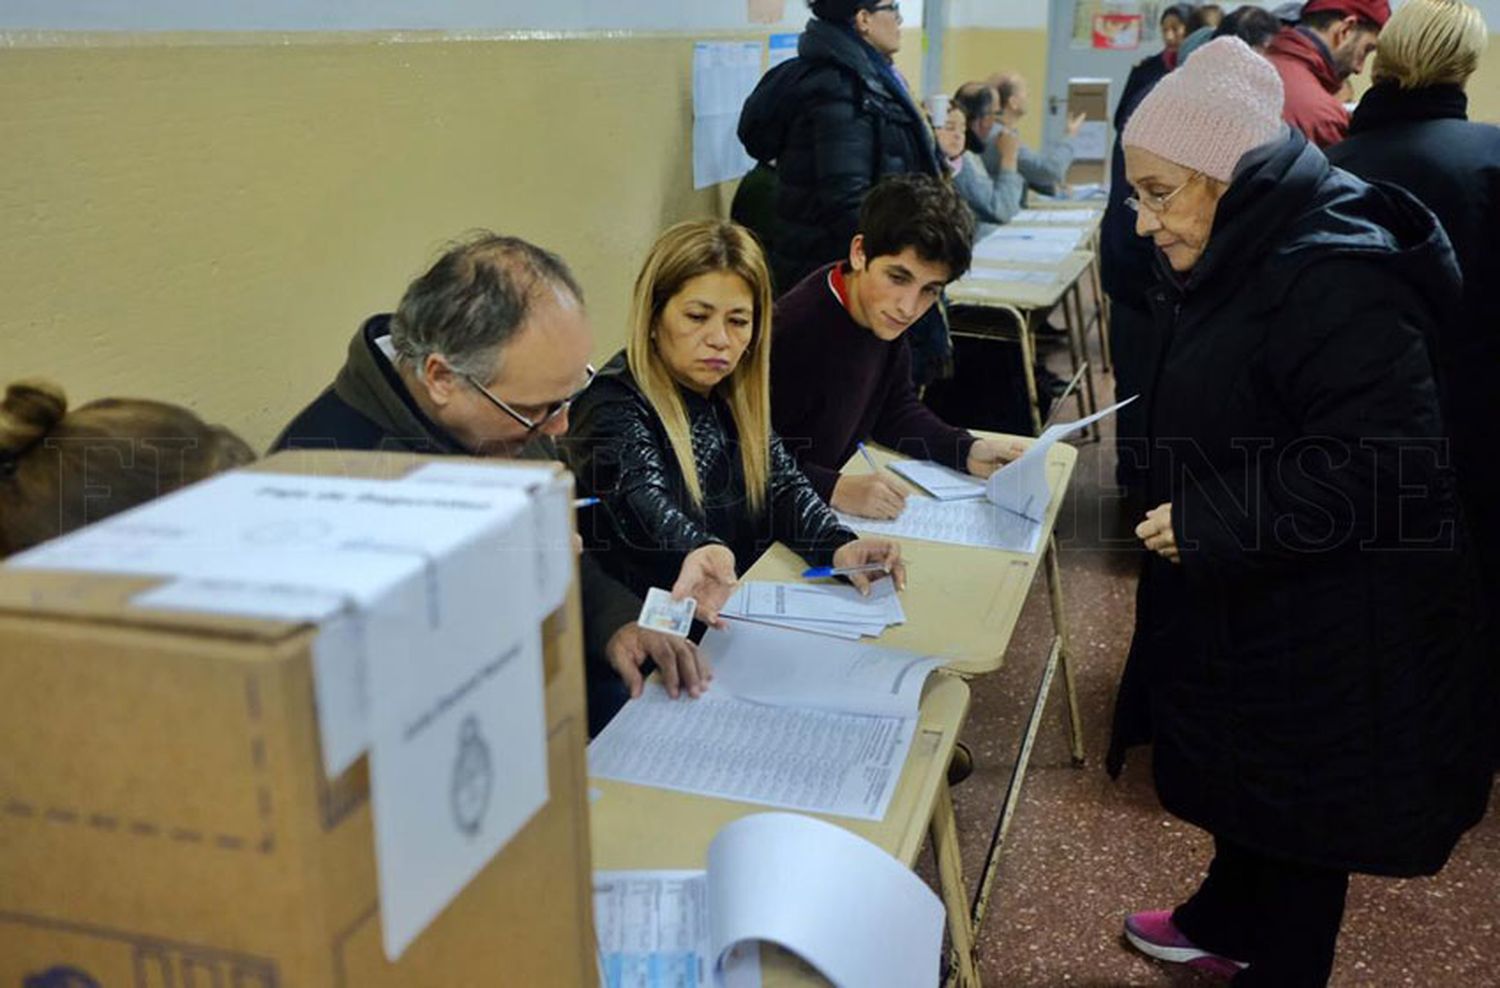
<point x="1117" y="32"/>
<point x="724" y="73"/>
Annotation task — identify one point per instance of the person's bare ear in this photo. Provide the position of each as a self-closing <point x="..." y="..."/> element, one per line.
<point x="857" y="252"/>
<point x="439" y="379"/>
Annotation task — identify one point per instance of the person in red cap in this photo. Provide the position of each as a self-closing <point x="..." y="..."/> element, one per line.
<point x="1327" y="46"/>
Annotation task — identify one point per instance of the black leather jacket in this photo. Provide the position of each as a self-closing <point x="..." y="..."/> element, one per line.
<point x="646" y="524"/>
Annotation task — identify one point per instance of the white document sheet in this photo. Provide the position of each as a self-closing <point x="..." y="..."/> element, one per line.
<point x="1009" y="516"/>
<point x="1028" y="251"/>
<point x="653" y="929"/>
<point x="783" y="668"/>
<point x="793" y="758"/>
<point x="943" y="483"/>
<point x="845" y="906"/>
<point x="1070" y="236"/>
<point x="1063" y="217"/>
<point x="1011" y="275"/>
<point x="1021" y="485"/>
<point x="803" y="604"/>
<point x="975" y="522"/>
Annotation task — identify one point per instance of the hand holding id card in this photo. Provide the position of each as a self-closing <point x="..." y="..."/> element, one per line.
<point x="662" y="613"/>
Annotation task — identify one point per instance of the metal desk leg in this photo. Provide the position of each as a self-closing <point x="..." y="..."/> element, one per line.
<point x="1057" y="656"/>
<point x="1028" y="367"/>
<point x="1065" y="649"/>
<point x="1072" y="304"/>
<point x="963" y="969"/>
<point x="1106" y="353"/>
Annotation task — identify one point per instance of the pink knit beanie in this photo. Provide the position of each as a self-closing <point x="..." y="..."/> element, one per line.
<point x="1219" y="104"/>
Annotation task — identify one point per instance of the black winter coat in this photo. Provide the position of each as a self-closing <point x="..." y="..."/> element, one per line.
<point x="1309" y="672"/>
<point x="646" y="524"/>
<point x="1126" y="266"/>
<point x="834" y="124"/>
<point x="1421" y="140"/>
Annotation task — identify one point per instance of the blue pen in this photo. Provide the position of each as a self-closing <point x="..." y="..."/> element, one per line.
<point x="825" y="572"/>
<point x="868" y="458"/>
<point x="585" y="502"/>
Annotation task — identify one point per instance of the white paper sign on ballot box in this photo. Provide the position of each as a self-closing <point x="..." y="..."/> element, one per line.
<point x="429" y="592"/>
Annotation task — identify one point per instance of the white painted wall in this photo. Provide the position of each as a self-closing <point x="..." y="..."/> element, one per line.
<point x="1011" y="14"/>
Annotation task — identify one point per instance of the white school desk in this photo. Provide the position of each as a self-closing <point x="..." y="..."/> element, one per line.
<point x="1092" y="225"/>
<point x="962" y="603"/>
<point x="1020" y="300"/>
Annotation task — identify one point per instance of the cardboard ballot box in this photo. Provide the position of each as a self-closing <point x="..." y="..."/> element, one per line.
<point x="166" y="820"/>
<point x="1091" y="147"/>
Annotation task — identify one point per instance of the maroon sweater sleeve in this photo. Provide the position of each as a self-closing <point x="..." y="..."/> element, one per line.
<point x="910" y="427"/>
<point x="797" y="410"/>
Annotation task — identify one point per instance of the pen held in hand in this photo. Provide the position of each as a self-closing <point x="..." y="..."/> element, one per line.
<point x="874" y="467"/>
<point x="824" y="572"/>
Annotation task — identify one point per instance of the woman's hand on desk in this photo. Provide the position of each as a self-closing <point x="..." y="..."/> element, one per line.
<point x="988" y="455"/>
<point x="707" y="576"/>
<point x="864" y="551"/>
<point x="1156" y="532"/>
<point x="869" y="495"/>
<point x="683" y="668"/>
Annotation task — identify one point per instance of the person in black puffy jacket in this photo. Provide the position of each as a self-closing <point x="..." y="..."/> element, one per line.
<point x="835" y="119"/>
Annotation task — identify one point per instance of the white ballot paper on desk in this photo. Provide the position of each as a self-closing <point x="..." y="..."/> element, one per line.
<point x="1069" y="236"/>
<point x="843" y="905"/>
<point x="837" y="610"/>
<point x="428" y="652"/>
<point x="653" y="930"/>
<point x="1034" y="251"/>
<point x="791" y="720"/>
<point x="943" y="483"/>
<point x="984" y="275"/>
<point x="1060" y="217"/>
<point x="1010" y="515"/>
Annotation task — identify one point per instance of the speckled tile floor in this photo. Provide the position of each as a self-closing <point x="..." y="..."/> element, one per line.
<point x="1084" y="851"/>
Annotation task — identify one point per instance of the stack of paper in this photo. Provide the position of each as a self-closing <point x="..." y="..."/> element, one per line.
<point x="842" y="904"/>
<point x="1009" y="516"/>
<point x="1055" y="217"/>
<point x="1028" y="250"/>
<point x="824" y="609"/>
<point x="791" y="720"/>
<point x="1012" y="275"/>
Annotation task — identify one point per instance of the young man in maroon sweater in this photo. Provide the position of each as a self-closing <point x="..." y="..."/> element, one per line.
<point x="840" y="370"/>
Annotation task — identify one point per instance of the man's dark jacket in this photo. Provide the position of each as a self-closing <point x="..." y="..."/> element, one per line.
<point x="368" y="407"/>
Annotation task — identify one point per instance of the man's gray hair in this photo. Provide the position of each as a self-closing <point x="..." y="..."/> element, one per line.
<point x="469" y="305"/>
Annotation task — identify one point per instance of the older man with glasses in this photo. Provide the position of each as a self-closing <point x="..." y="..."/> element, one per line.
<point x="483" y="357"/>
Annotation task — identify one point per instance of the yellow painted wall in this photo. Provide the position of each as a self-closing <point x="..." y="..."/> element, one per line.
<point x="976" y="53"/>
<point x="1484" y="85"/>
<point x="208" y="223"/>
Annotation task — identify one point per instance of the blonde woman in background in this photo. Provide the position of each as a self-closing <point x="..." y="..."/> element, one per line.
<point x="61" y="470"/>
<point x="1412" y="130"/>
<point x="674" y="435"/>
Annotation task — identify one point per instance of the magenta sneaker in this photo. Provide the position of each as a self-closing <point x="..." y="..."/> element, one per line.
<point x="1154" y="934"/>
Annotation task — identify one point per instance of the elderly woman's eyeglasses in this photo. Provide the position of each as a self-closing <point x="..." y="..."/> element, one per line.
<point x="549" y="415"/>
<point x="1158" y="204"/>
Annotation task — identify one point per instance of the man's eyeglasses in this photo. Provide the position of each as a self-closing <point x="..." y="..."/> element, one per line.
<point x="894" y="8"/>
<point x="1158" y="204"/>
<point x="552" y="411"/>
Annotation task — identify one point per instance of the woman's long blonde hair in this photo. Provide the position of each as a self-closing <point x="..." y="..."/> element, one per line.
<point x="681" y="254"/>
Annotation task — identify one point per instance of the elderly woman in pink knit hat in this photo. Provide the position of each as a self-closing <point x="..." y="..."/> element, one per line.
<point x="1306" y="656"/>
